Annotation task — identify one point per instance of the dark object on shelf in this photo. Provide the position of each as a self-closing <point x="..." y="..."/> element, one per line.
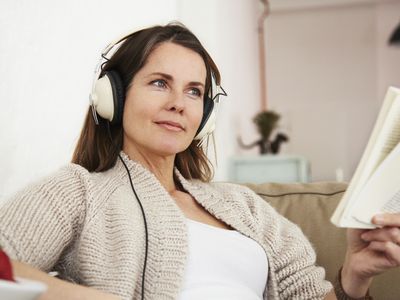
<point x="395" y="37"/>
<point x="266" y="122"/>
<point x="266" y="146"/>
<point x="276" y="144"/>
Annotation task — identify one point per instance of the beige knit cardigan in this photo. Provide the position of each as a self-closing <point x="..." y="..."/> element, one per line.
<point x="89" y="228"/>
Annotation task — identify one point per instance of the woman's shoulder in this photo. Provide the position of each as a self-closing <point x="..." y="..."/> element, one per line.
<point x="240" y="194"/>
<point x="72" y="176"/>
<point x="67" y="177"/>
<point x="236" y="187"/>
<point x="224" y="187"/>
<point x="69" y="181"/>
<point x="238" y="191"/>
<point x="48" y="211"/>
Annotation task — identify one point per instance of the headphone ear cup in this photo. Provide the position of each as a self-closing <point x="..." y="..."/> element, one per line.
<point x="207" y="124"/>
<point x="110" y="97"/>
<point x="118" y="96"/>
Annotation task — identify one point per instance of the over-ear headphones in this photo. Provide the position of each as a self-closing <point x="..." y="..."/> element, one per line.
<point x="108" y="96"/>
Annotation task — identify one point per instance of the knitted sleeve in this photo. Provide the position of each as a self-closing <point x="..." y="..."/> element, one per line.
<point x="39" y="222"/>
<point x="293" y="261"/>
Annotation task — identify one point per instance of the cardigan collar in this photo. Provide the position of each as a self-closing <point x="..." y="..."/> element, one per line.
<point x="167" y="232"/>
<point x="205" y="193"/>
<point x="167" y="225"/>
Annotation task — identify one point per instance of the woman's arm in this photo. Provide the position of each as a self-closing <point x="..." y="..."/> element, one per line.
<point x="57" y="288"/>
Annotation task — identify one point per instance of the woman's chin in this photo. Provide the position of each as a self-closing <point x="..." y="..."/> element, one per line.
<point x="170" y="149"/>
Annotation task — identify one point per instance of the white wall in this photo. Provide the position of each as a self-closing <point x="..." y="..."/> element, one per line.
<point x="388" y="58"/>
<point x="328" y="67"/>
<point x="48" y="52"/>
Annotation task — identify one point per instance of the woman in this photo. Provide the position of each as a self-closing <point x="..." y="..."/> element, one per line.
<point x="146" y="222"/>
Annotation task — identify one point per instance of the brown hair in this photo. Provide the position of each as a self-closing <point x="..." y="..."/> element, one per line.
<point x="94" y="150"/>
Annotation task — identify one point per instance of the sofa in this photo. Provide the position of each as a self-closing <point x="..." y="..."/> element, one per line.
<point x="310" y="206"/>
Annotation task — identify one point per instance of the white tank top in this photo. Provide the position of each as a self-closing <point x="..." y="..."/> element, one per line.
<point x="223" y="264"/>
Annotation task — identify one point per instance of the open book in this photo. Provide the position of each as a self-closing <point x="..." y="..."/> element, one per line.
<point x="375" y="186"/>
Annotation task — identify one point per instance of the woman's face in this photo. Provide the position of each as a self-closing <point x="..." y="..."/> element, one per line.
<point x="164" y="104"/>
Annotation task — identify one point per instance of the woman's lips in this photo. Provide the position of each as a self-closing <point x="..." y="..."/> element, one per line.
<point x="173" y="126"/>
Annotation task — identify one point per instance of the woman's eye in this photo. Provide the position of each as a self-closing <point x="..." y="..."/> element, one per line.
<point x="195" y="92"/>
<point x="159" y="83"/>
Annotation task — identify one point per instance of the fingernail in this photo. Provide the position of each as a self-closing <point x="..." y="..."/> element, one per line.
<point x="364" y="237"/>
<point x="378" y="219"/>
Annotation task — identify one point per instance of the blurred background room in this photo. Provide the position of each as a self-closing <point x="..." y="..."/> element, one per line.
<point x="327" y="66"/>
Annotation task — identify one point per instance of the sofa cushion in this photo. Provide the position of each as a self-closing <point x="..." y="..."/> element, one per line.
<point x="310" y="205"/>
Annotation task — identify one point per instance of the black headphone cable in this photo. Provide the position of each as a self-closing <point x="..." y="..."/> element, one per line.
<point x="140" y="204"/>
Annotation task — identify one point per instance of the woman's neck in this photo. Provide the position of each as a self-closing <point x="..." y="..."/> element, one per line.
<point x="162" y="167"/>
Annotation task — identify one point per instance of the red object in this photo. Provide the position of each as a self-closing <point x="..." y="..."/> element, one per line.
<point x="5" y="267"/>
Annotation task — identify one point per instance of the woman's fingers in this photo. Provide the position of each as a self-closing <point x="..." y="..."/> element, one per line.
<point x="390" y="231"/>
<point x="390" y="250"/>
<point x="385" y="234"/>
<point x="387" y="220"/>
<point x="374" y="251"/>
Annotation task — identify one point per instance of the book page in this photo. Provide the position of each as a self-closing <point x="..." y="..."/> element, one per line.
<point x="382" y="191"/>
<point x="391" y="134"/>
<point x="393" y="205"/>
<point x="379" y="145"/>
<point x="388" y="138"/>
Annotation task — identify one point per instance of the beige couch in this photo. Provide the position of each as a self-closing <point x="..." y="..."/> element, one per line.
<point x="310" y="206"/>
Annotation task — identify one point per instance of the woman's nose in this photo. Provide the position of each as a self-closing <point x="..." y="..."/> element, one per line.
<point x="176" y="102"/>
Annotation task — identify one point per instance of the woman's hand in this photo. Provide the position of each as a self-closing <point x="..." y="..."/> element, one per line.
<point x="371" y="252"/>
